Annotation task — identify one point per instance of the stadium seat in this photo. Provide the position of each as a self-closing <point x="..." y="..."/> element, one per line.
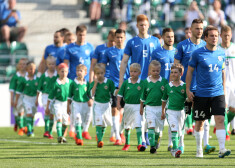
<point x="4" y="54"/>
<point x="175" y="25"/>
<point x="18" y="51"/>
<point x="154" y="3"/>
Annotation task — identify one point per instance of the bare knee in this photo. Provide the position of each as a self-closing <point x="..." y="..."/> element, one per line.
<point x="219" y="122"/>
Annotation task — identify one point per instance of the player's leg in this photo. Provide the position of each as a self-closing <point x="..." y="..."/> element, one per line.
<point x="226" y="125"/>
<point x="65" y="120"/>
<point x="51" y="122"/>
<point x="207" y="148"/>
<point x="233" y="127"/>
<point x="87" y="113"/>
<point x="115" y="119"/>
<point x="46" y="116"/>
<point x="5" y="29"/>
<point x="76" y="111"/>
<point x="181" y="121"/>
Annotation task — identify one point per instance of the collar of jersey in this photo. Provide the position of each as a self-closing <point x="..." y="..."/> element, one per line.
<point x="193" y="43"/>
<point x="129" y="80"/>
<point x="59" y="82"/>
<point x="18" y="74"/>
<point x="181" y="84"/>
<point x="34" y="78"/>
<point x="149" y="80"/>
<point x="105" y="80"/>
<point x="143" y="38"/>
<point x="46" y="73"/>
<point x="77" y="82"/>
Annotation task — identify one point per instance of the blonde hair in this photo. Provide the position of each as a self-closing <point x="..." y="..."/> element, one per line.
<point x="135" y="66"/>
<point x="51" y="58"/>
<point x="82" y="66"/>
<point x="31" y="63"/>
<point x="98" y="67"/>
<point x="155" y="63"/>
<point x="22" y="59"/>
<point x="178" y="66"/>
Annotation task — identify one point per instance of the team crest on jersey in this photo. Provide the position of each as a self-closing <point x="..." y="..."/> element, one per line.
<point x="58" y="90"/>
<point x="139" y="88"/>
<point x="87" y="52"/>
<point x="45" y="83"/>
<point x="151" y="45"/>
<point x="162" y="88"/>
<point x="220" y="58"/>
<point x="176" y="51"/>
<point x="27" y="84"/>
<point x="106" y="87"/>
<point x="171" y="91"/>
<point x="182" y="91"/>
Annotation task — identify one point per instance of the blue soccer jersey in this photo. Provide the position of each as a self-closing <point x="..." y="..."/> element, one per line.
<point x="99" y="54"/>
<point x="60" y="56"/>
<point x="140" y="51"/>
<point x="76" y="55"/>
<point x="209" y="65"/>
<point x="183" y="53"/>
<point x="166" y="58"/>
<point x="113" y="56"/>
<point x="54" y="51"/>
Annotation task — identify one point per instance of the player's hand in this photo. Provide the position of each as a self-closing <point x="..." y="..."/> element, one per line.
<point x="36" y="102"/>
<point x="190" y="95"/>
<point x="141" y="111"/>
<point x="119" y="106"/>
<point x="163" y="116"/>
<point x="15" y="104"/>
<point x="47" y="111"/>
<point x="90" y="103"/>
<point x="68" y="111"/>
<point x="116" y="92"/>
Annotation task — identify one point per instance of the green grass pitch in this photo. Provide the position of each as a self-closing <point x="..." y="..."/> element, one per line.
<point x="16" y="151"/>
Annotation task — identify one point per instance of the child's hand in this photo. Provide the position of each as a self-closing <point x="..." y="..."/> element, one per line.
<point x="95" y="79"/>
<point x="90" y="103"/>
<point x="68" y="111"/>
<point x="163" y="116"/>
<point x="116" y="92"/>
<point x="36" y="102"/>
<point x="15" y="104"/>
<point x="141" y="111"/>
<point x="12" y="103"/>
<point x="47" y="111"/>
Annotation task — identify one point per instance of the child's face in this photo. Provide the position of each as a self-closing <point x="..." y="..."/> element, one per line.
<point x="63" y="72"/>
<point x="155" y="71"/>
<point x="81" y="73"/>
<point x="100" y="74"/>
<point x="51" y="65"/>
<point x="31" y="69"/>
<point x="175" y="74"/>
<point x="134" y="73"/>
<point x="22" y="65"/>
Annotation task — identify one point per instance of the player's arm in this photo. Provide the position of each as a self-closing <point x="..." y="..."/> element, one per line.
<point x="19" y="90"/>
<point x="176" y="61"/>
<point x="123" y="69"/>
<point x="42" y="65"/>
<point x="224" y="82"/>
<point x="141" y="107"/>
<point x="94" y="88"/>
<point x="118" y="102"/>
<point x="163" y="116"/>
<point x="188" y="83"/>
<point x="93" y="63"/>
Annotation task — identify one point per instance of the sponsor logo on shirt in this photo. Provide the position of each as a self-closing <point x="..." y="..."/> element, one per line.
<point x="188" y="52"/>
<point x="27" y="84"/>
<point x="75" y="52"/>
<point x="137" y="46"/>
<point x="114" y="56"/>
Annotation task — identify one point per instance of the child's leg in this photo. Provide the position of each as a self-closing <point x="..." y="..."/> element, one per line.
<point x="139" y="135"/>
<point x="87" y="119"/>
<point x="47" y="123"/>
<point x="127" y="135"/>
<point x="51" y="124"/>
<point x="115" y="120"/>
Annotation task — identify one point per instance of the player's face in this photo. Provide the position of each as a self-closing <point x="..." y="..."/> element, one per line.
<point x="58" y="38"/>
<point x="81" y="37"/>
<point x="51" y="65"/>
<point x="63" y="72"/>
<point x="100" y="74"/>
<point x="155" y="71"/>
<point x="188" y="34"/>
<point x="120" y="39"/>
<point x="70" y="39"/>
<point x="226" y="37"/>
<point x="111" y="40"/>
<point x="22" y="65"/>
<point x="197" y="30"/>
<point x="212" y="38"/>
<point x="134" y="73"/>
<point x="175" y="74"/>
<point x="169" y="38"/>
<point x="81" y="73"/>
<point x="31" y="69"/>
<point x="143" y="26"/>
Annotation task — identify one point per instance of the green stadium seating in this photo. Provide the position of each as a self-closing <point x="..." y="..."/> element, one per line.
<point x="4" y="54"/>
<point x="18" y="51"/>
<point x="154" y="3"/>
<point x="175" y="25"/>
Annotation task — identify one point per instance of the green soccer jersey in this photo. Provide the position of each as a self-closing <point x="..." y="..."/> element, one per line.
<point x="131" y="92"/>
<point x="79" y="92"/>
<point x="27" y="87"/>
<point x="153" y="92"/>
<point x="60" y="91"/>
<point x="176" y="96"/>
<point x="103" y="91"/>
<point x="46" y="82"/>
<point x="14" y="81"/>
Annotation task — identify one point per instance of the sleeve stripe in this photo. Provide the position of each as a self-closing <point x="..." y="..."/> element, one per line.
<point x="164" y="100"/>
<point x="119" y="95"/>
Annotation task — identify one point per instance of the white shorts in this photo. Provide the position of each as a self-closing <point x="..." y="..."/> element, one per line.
<point x="131" y="116"/>
<point x="176" y="120"/>
<point x="230" y="97"/>
<point x="153" y="117"/>
<point x="29" y="104"/>
<point x="20" y="106"/>
<point x="44" y="100"/>
<point x="102" y="114"/>
<point x="60" y="111"/>
<point x="80" y="112"/>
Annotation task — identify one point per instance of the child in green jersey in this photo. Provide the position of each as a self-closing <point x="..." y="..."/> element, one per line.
<point x="46" y="82"/>
<point x="59" y="94"/>
<point x="101" y="90"/>
<point x="19" y="110"/>
<point x="151" y="97"/>
<point x="131" y="90"/>
<point x="81" y="111"/>
<point x="175" y="95"/>
<point x="28" y="87"/>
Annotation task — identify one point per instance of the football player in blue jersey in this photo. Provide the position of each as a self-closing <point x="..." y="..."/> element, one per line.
<point x="79" y="52"/>
<point x="99" y="53"/>
<point x="52" y="50"/>
<point x="209" y="98"/>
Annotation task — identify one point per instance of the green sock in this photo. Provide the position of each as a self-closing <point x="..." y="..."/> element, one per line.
<point x="78" y="129"/>
<point x="29" y="123"/>
<point x="139" y="135"/>
<point x="230" y="116"/>
<point x="103" y="132"/>
<point x="190" y="122"/>
<point x="175" y="139"/>
<point x="63" y="129"/>
<point x="32" y="123"/>
<point x="51" y="126"/>
<point x="127" y="135"/>
<point x="21" y="121"/>
<point x="151" y="136"/>
<point x="47" y="122"/>
<point x="24" y="121"/>
<point x="157" y="138"/>
<point x="99" y="133"/>
<point x="59" y="129"/>
<point x="226" y="122"/>
<point x="17" y="120"/>
<point x="186" y="123"/>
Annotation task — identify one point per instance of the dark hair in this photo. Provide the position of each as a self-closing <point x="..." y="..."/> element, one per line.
<point x="209" y="28"/>
<point x="187" y="28"/>
<point x="63" y="31"/>
<point x="118" y="31"/>
<point x="165" y="30"/>
<point x="197" y="21"/>
<point x="81" y="28"/>
<point x="157" y="35"/>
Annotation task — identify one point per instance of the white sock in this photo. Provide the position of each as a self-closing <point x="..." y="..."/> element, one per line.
<point x="88" y="120"/>
<point x="169" y="137"/>
<point x="116" y="127"/>
<point x="143" y="131"/>
<point x="206" y="133"/>
<point x="233" y="124"/>
<point x="221" y="136"/>
<point x="198" y="136"/>
<point x="112" y="132"/>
